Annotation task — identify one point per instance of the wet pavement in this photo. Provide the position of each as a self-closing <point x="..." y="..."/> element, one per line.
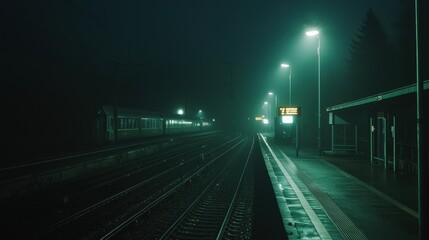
<point x="328" y="197"/>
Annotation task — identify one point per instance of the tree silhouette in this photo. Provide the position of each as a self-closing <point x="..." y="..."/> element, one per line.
<point x="370" y="62"/>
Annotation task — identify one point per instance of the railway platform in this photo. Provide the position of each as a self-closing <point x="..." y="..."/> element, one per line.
<point x="328" y="197"/>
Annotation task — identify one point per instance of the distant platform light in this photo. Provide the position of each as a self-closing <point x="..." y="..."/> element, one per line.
<point x="265" y="121"/>
<point x="287" y="119"/>
<point x="180" y="112"/>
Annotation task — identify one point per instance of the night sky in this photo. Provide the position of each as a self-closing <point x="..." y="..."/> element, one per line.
<point x="65" y="58"/>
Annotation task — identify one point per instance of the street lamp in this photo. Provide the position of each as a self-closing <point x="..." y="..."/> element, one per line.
<point x="284" y="65"/>
<point x="268" y="112"/>
<point x="316" y="33"/>
<point x="200" y="114"/>
<point x="275" y="99"/>
<point x="275" y="109"/>
<point x="180" y="111"/>
<point x="200" y="117"/>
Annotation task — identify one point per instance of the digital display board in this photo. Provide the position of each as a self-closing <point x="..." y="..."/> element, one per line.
<point x="289" y="111"/>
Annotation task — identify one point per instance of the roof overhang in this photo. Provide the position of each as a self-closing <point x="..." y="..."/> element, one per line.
<point x="379" y="97"/>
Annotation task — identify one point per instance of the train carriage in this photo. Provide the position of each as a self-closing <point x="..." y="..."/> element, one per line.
<point x="132" y="123"/>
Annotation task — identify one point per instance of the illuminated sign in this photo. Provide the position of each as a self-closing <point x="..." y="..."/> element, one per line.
<point x="288" y="111"/>
<point x="287" y="119"/>
<point x="259" y="118"/>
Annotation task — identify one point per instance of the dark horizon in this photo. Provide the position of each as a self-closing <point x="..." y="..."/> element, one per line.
<point x="64" y="60"/>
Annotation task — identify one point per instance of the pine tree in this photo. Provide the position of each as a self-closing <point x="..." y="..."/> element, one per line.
<point x="370" y="59"/>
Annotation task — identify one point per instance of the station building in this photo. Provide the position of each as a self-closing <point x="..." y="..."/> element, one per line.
<point x="381" y="126"/>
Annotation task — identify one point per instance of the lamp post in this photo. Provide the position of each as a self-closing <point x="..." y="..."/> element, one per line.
<point x="420" y="12"/>
<point x="268" y="111"/>
<point x="275" y="110"/>
<point x="284" y="65"/>
<point x="275" y="99"/>
<point x="200" y="117"/>
<point x="316" y="33"/>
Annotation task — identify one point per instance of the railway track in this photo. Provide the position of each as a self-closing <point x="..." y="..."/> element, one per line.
<point x="218" y="204"/>
<point x="211" y="212"/>
<point x="46" y="213"/>
<point x="121" y="195"/>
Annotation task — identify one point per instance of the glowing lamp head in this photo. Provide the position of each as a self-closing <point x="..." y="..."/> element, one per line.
<point x="312" y="33"/>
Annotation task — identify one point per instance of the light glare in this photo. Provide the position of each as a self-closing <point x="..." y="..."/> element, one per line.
<point x="287" y="119"/>
<point x="312" y="33"/>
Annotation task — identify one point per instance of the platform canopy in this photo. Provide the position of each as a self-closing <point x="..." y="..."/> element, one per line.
<point x="379" y="97"/>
